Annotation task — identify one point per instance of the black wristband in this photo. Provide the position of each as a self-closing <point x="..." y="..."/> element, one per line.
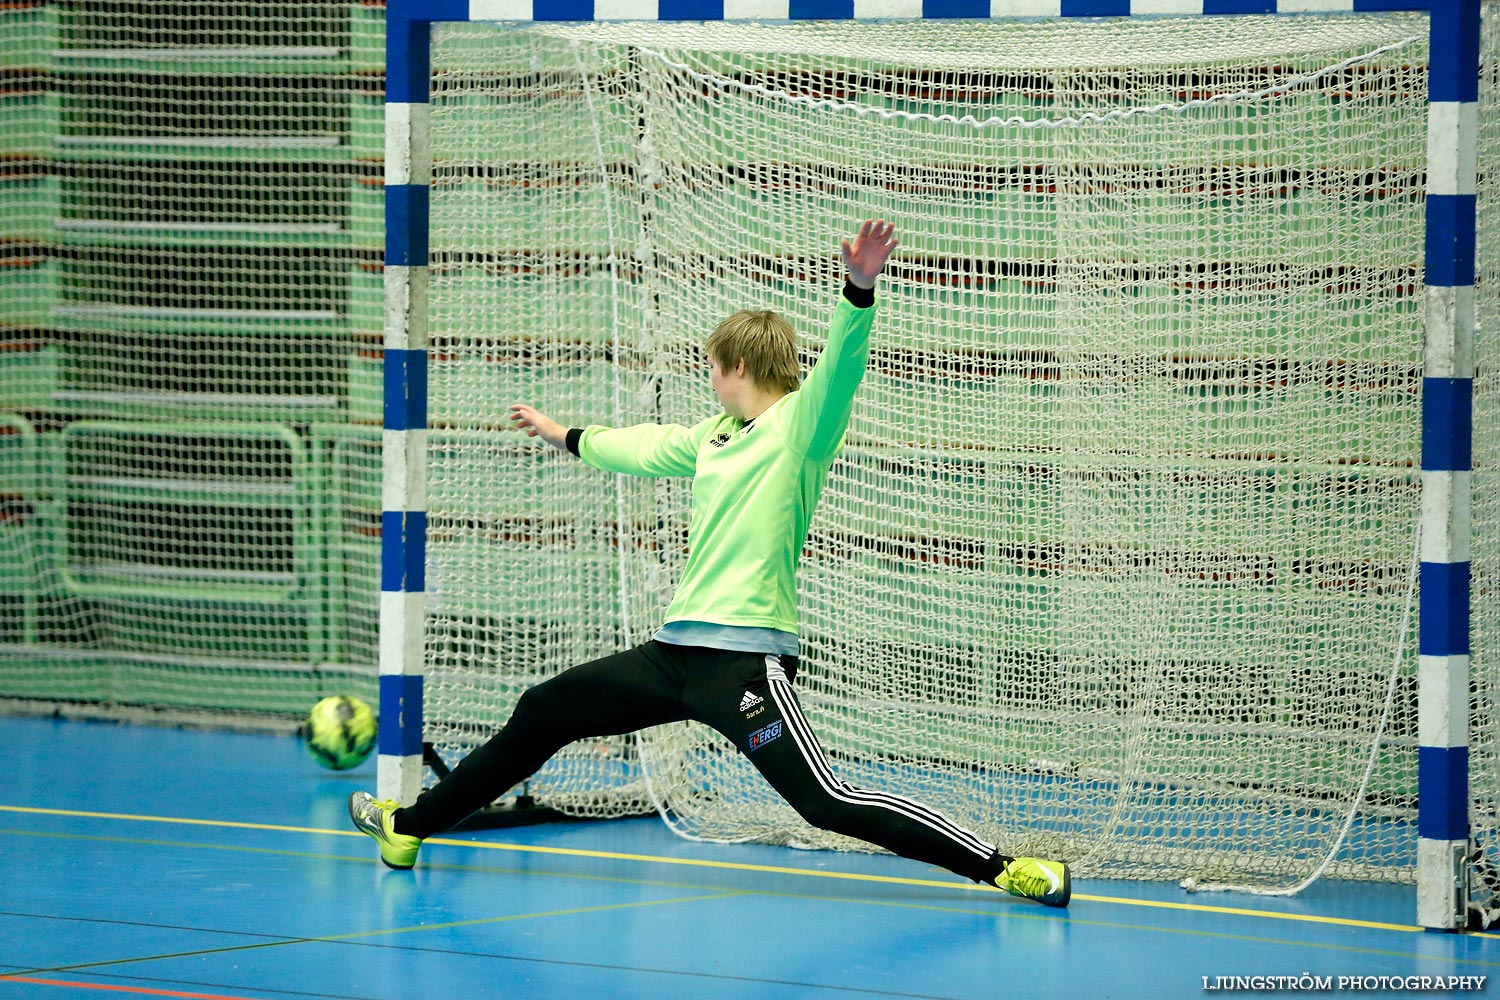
<point x="859" y="298"/>
<point x="574" y="436"/>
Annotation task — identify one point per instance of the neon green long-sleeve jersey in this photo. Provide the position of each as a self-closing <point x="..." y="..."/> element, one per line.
<point x="755" y="485"/>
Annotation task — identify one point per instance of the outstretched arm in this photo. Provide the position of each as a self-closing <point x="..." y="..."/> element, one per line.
<point x="642" y="450"/>
<point x="821" y="412"/>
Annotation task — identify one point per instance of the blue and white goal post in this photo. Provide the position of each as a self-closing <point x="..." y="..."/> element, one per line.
<point x="1444" y="850"/>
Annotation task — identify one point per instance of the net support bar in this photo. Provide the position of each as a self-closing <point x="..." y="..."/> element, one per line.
<point x="1447" y="431"/>
<point x="1448" y="368"/>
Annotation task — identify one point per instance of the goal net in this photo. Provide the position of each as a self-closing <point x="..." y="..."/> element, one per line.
<point x="1484" y="749"/>
<point x="190" y="235"/>
<point x="1117" y="561"/>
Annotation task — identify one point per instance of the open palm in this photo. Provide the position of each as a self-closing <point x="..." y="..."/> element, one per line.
<point x="865" y="258"/>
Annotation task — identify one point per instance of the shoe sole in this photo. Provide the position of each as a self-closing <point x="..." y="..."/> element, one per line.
<point x="1067" y="888"/>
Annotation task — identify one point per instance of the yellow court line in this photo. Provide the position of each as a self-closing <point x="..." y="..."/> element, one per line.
<point x="380" y="932"/>
<point x="737" y="866"/>
<point x="575" y="911"/>
<point x="1025" y="913"/>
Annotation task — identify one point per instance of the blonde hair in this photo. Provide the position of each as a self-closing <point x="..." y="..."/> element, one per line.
<point x="765" y="342"/>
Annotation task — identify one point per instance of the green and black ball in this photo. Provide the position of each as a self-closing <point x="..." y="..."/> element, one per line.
<point x="340" y="732"/>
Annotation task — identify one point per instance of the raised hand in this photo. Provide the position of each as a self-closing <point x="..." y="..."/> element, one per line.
<point x="865" y="258"/>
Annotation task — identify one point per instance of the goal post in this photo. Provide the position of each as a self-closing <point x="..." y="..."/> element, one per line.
<point x="1444" y="842"/>
<point x="1126" y="596"/>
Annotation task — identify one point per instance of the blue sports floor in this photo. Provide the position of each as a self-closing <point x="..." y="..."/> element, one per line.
<point x="167" y="863"/>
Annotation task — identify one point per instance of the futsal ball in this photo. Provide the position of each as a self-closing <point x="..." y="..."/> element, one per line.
<point x="340" y="732"/>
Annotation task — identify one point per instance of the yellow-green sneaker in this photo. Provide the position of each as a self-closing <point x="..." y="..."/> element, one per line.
<point x="1047" y="882"/>
<point x="373" y="816"/>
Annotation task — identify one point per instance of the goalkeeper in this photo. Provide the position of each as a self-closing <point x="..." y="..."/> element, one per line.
<point x="727" y="655"/>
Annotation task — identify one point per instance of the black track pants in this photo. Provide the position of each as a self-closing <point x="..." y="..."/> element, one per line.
<point x="747" y="697"/>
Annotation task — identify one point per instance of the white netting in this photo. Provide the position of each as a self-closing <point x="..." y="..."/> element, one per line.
<point x="1113" y="563"/>
<point x="190" y="231"/>
<point x="1484" y="759"/>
